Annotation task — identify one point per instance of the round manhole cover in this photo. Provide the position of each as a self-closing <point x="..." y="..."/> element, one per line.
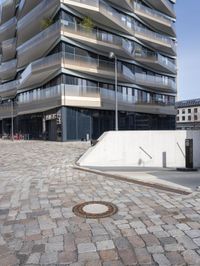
<point x="95" y="209"/>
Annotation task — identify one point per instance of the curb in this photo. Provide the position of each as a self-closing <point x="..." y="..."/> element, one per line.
<point x="134" y="181"/>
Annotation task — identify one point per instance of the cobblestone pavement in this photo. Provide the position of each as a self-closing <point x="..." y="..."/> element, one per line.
<point x="39" y="187"/>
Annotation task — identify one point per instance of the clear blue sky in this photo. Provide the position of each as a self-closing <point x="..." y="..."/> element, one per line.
<point x="188" y="32"/>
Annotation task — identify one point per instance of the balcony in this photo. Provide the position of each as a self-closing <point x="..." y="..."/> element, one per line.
<point x="41" y="99"/>
<point x="103" y="42"/>
<point x="96" y="67"/>
<point x="26" y="6"/>
<point x="8" y="29"/>
<point x="156" y="40"/>
<point x="164" y="6"/>
<point x="155" y="61"/>
<point x="8" y="49"/>
<point x="8" y="70"/>
<point x="9" y="89"/>
<point x="155" y="82"/>
<point x="101" y="12"/>
<point x="37" y="72"/>
<point x="155" y="19"/>
<point x="41" y="70"/>
<point x="38" y="46"/>
<point x="7" y="10"/>
<point x="31" y="23"/>
<point x="130" y="103"/>
<point x="125" y="4"/>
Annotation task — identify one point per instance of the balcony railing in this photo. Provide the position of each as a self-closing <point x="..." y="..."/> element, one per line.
<point x="61" y="90"/>
<point x="109" y="12"/>
<point x="8" y="69"/>
<point x="36" y="13"/>
<point x="155" y="36"/>
<point x="7" y="29"/>
<point x="9" y="88"/>
<point x="153" y="13"/>
<point x="130" y="99"/>
<point x="98" y="64"/>
<point x="155" y="81"/>
<point x="91" y="33"/>
<point x="39" y="38"/>
<point x="155" y="57"/>
<point x="94" y="3"/>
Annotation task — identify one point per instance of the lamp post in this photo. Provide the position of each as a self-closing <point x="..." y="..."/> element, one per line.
<point x="113" y="56"/>
<point x="2" y="118"/>
<point x="12" y="115"/>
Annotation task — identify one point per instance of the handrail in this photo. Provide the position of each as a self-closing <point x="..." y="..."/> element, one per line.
<point x="146" y="153"/>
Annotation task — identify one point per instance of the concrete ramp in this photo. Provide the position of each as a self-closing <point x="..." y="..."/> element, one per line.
<point x="142" y="149"/>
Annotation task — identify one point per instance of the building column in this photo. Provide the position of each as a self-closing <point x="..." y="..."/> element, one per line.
<point x="64" y="122"/>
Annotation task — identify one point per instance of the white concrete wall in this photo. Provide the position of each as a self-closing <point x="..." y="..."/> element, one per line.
<point x="122" y="148"/>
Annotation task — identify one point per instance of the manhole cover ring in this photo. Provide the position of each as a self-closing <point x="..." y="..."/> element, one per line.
<point x="95" y="209"/>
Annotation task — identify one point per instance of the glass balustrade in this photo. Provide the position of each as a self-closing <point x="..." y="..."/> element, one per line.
<point x="152" y="13"/>
<point x="155" y="80"/>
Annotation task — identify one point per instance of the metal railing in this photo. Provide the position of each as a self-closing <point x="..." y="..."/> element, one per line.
<point x="153" y="13"/>
<point x="155" y="36"/>
<point x="155" y="80"/>
<point x="164" y="61"/>
<point x="40" y="37"/>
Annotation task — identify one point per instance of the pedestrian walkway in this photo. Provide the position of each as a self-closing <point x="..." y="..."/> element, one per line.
<point x="38" y="190"/>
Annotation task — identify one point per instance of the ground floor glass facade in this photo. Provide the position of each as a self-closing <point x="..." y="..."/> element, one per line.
<point x="70" y="123"/>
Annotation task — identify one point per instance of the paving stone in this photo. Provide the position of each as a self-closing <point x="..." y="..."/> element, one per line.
<point x="34" y="258"/>
<point x="193" y="233"/>
<point x="152" y="227"/>
<point x="104" y="245"/>
<point x="122" y="243"/>
<point x="136" y="241"/>
<point x="186" y="242"/>
<point x="88" y="256"/>
<point x="143" y="256"/>
<point x="46" y="223"/>
<point x="128" y="257"/>
<point x="155" y="249"/>
<point x="49" y="258"/>
<point x="176" y="259"/>
<point x="161" y="260"/>
<point x="86" y="247"/>
<point x="67" y="257"/>
<point x="150" y="240"/>
<point x="108" y="255"/>
<point x="191" y="257"/>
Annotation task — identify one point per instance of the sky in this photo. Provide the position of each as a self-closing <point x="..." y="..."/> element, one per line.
<point x="188" y="34"/>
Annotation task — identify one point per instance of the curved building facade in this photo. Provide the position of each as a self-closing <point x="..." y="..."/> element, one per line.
<point x="58" y="81"/>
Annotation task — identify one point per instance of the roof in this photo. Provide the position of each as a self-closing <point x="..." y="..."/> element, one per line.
<point x="188" y="103"/>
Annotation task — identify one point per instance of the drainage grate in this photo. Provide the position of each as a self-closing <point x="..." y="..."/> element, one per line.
<point x="95" y="209"/>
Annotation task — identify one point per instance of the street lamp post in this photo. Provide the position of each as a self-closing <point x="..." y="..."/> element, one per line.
<point x="2" y="119"/>
<point x="113" y="56"/>
<point x="12" y="119"/>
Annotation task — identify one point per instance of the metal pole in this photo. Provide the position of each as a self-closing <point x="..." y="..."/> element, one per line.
<point x="12" y="124"/>
<point x="116" y="97"/>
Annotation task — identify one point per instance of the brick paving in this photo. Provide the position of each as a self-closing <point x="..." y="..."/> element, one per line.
<point x="38" y="189"/>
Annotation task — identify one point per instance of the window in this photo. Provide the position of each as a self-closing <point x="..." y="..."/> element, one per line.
<point x="177" y="118"/>
<point x="195" y="117"/>
<point x="183" y="118"/>
<point x="183" y="111"/>
<point x="189" y="111"/>
<point x="178" y="112"/>
<point x="196" y="110"/>
<point x="189" y="117"/>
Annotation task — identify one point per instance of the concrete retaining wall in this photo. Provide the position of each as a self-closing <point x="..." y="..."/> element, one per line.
<point x="142" y="149"/>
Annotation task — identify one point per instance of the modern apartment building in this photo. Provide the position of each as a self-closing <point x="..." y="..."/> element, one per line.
<point x="188" y="114"/>
<point x="58" y="81"/>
